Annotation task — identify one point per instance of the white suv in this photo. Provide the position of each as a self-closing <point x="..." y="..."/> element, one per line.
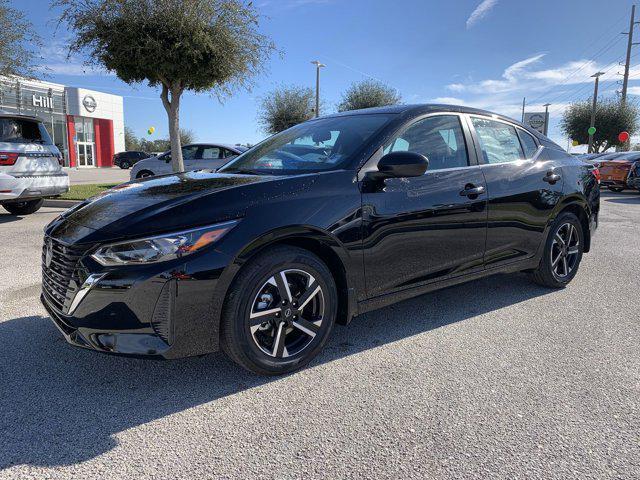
<point x="29" y="165"/>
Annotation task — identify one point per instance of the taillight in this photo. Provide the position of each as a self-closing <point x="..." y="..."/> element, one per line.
<point x="596" y="173"/>
<point x="8" y="158"/>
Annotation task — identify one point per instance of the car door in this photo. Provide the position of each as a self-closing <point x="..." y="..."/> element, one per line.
<point x="423" y="229"/>
<point x="191" y="156"/>
<point x="208" y="157"/>
<point x="523" y="187"/>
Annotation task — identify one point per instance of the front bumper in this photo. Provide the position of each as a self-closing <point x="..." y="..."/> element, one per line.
<point x="33" y="186"/>
<point x="159" y="311"/>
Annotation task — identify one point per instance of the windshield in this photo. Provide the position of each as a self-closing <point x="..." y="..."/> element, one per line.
<point x="22" y="130"/>
<point x="314" y="146"/>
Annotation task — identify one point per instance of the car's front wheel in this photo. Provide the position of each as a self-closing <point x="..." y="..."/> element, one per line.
<point x="24" y="208"/>
<point x="562" y="253"/>
<point x="279" y="311"/>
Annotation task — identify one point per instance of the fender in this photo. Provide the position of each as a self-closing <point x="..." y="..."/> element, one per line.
<point x="296" y="234"/>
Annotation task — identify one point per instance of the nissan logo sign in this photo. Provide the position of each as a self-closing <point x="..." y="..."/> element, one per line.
<point x="89" y="103"/>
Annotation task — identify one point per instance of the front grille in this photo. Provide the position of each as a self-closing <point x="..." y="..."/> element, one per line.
<point x="59" y="277"/>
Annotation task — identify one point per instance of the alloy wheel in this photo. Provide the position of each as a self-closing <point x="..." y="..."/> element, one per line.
<point x="287" y="313"/>
<point x="565" y="250"/>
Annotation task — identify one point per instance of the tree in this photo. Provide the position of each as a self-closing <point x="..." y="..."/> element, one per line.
<point x="131" y="142"/>
<point x="177" y="45"/>
<point x="367" y="94"/>
<point x="16" y="33"/>
<point x="611" y="119"/>
<point x="187" y="136"/>
<point x="285" y="107"/>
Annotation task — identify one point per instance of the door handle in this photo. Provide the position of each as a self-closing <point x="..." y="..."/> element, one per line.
<point x="471" y="190"/>
<point x="551" y="177"/>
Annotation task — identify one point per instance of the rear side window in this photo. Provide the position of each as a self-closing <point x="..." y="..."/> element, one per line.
<point x="209" y="153"/>
<point x="528" y="144"/>
<point x="18" y="130"/>
<point x="439" y="138"/>
<point x="499" y="141"/>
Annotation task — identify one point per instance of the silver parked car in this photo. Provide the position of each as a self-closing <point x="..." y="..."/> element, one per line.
<point x="197" y="156"/>
<point x="30" y="164"/>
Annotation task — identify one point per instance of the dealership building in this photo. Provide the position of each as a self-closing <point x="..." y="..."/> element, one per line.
<point x="87" y="126"/>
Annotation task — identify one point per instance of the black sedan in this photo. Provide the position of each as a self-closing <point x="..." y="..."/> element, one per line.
<point x="322" y="222"/>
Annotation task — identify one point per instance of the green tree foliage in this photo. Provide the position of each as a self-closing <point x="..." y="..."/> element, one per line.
<point x="132" y="142"/>
<point x="17" y="39"/>
<point x="611" y="119"/>
<point x="285" y="107"/>
<point x="177" y="45"/>
<point x="368" y="94"/>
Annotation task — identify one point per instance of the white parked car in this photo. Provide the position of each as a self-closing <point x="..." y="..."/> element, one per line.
<point x="30" y="167"/>
<point x="196" y="156"/>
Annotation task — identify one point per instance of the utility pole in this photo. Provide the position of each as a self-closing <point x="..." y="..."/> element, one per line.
<point x="546" y="118"/>
<point x="318" y="67"/>
<point x="627" y="65"/>
<point x="524" y="101"/>
<point x="593" y="107"/>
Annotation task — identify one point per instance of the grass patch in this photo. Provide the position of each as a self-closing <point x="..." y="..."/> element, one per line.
<point x="81" y="192"/>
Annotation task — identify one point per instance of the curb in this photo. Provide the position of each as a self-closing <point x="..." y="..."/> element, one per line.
<point x="51" y="202"/>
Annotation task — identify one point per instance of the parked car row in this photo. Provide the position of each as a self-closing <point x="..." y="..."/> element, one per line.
<point x="617" y="169"/>
<point x="196" y="156"/>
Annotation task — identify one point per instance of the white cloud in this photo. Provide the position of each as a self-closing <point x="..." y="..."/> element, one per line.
<point x="57" y="61"/>
<point x="480" y="12"/>
<point x="448" y="100"/>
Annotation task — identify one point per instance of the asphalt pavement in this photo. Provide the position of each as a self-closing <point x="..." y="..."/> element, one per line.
<point x="498" y="378"/>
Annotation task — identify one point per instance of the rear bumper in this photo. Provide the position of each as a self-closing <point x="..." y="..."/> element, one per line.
<point x="32" y="186"/>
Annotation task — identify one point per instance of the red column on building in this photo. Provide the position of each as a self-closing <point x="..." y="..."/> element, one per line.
<point x="71" y="135"/>
<point x="103" y="131"/>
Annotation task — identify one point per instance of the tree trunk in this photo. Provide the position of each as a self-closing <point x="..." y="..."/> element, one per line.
<point x="172" y="107"/>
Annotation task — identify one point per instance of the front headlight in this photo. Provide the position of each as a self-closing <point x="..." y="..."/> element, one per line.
<point x="161" y="248"/>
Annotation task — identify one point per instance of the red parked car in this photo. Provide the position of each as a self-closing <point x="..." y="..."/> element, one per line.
<point x="614" y="169"/>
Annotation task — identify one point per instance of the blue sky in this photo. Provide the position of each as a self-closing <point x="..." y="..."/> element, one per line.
<point x="487" y="53"/>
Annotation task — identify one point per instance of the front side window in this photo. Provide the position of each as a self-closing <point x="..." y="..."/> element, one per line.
<point x="439" y="138"/>
<point x="318" y="145"/>
<point x="499" y="141"/>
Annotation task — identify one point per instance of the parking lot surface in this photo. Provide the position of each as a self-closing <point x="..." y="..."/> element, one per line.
<point x="498" y="378"/>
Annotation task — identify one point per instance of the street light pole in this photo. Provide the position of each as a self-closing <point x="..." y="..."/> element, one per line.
<point x="546" y="118"/>
<point x="318" y="67"/>
<point x="593" y="107"/>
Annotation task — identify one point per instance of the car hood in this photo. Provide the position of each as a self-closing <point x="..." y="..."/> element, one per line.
<point x="167" y="203"/>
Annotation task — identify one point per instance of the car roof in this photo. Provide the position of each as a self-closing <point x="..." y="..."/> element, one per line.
<point x="423" y="109"/>
<point x="5" y="114"/>
<point x="208" y="144"/>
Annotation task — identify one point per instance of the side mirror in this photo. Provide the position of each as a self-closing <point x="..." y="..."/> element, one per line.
<point x="400" y="165"/>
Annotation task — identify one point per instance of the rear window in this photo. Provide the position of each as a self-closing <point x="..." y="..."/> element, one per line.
<point x="19" y="130"/>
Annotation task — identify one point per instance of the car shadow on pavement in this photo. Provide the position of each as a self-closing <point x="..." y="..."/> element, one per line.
<point x="624" y="197"/>
<point x="62" y="405"/>
<point x="6" y="218"/>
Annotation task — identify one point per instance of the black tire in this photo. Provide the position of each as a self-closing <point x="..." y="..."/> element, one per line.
<point x="24" y="208"/>
<point x="144" y="174"/>
<point x="125" y="165"/>
<point x="616" y="189"/>
<point x="556" y="259"/>
<point x="245" y="344"/>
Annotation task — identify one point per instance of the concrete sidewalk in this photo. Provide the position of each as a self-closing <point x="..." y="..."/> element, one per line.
<point x="79" y="176"/>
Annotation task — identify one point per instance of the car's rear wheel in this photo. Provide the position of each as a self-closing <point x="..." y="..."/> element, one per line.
<point x="562" y="253"/>
<point x="144" y="174"/>
<point x="279" y="312"/>
<point x="24" y="208"/>
<point x="125" y="165"/>
<point x="616" y="189"/>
